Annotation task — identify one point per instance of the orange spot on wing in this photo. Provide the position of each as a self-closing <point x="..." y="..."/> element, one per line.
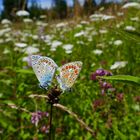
<point x="76" y="71"/>
<point x="66" y="67"/>
<point x="66" y="75"/>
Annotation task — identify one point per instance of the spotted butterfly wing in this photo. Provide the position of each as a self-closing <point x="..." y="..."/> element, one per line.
<point x="44" y="68"/>
<point x="68" y="73"/>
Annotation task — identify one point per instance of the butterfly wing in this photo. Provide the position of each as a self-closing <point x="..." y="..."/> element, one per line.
<point x="68" y="74"/>
<point x="44" y="69"/>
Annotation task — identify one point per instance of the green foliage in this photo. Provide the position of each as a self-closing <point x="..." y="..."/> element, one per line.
<point x="60" y="7"/>
<point x="10" y="7"/>
<point x="123" y="78"/>
<point x="113" y="115"/>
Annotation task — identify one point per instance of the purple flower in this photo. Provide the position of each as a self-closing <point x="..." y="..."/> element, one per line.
<point x="100" y="72"/>
<point x="37" y="116"/>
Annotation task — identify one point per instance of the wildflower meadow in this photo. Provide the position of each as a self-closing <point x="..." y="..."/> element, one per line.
<point x="71" y="79"/>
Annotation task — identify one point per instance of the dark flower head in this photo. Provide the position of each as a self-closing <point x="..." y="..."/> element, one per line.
<point x="93" y="76"/>
<point x="98" y="103"/>
<point x="137" y="98"/>
<point x="105" y="85"/>
<point x="45" y="129"/>
<point x="119" y="97"/>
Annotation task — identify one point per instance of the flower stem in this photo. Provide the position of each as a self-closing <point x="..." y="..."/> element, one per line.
<point x="50" y="133"/>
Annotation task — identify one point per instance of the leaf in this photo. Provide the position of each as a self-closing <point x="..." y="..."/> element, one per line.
<point x="124" y="78"/>
<point x="24" y="71"/>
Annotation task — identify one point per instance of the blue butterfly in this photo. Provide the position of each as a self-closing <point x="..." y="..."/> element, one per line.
<point x="68" y="74"/>
<point x="44" y="69"/>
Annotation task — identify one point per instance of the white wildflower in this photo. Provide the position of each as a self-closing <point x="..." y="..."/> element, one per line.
<point x="61" y="25"/>
<point x="68" y="51"/>
<point x="100" y="45"/>
<point x="134" y="19"/>
<point x="1" y="41"/>
<point x="6" y="51"/>
<point x="79" y="34"/>
<point x="6" y="21"/>
<point x="55" y="44"/>
<point x="89" y="28"/>
<point x="97" y="17"/>
<point x="35" y="37"/>
<point x="120" y="13"/>
<point x="40" y="23"/>
<point x="20" y="45"/>
<point x="22" y="13"/>
<point x="131" y="4"/>
<point x="9" y="39"/>
<point x="78" y="26"/>
<point x="84" y="22"/>
<point x="97" y="52"/>
<point x="136" y="107"/>
<point x="130" y="28"/>
<point x="94" y="33"/>
<point x="80" y="42"/>
<point x="27" y="20"/>
<point x="103" y="31"/>
<point x="68" y="48"/>
<point x="47" y="38"/>
<point x="31" y="50"/>
<point x="118" y="65"/>
<point x="102" y="8"/>
<point x="118" y="42"/>
<point x="43" y="16"/>
<point x="107" y="17"/>
<point x="25" y="59"/>
<point x="119" y="24"/>
<point x="4" y="31"/>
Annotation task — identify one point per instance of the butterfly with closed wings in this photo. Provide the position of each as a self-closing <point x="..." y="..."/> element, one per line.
<point x="44" y="68"/>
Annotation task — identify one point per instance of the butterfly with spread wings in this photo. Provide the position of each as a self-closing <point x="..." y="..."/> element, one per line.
<point x="45" y="67"/>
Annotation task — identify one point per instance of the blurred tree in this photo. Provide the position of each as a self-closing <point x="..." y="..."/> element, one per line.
<point x="89" y="6"/>
<point x="35" y="9"/>
<point x="78" y="11"/>
<point x="11" y="6"/>
<point x="102" y="2"/>
<point x="60" y="7"/>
